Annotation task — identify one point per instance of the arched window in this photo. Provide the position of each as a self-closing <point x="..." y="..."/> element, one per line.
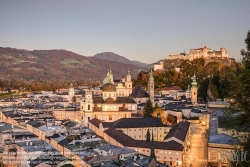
<point x="88" y="106"/>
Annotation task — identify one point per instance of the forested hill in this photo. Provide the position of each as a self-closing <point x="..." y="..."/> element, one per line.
<point x="117" y="58"/>
<point x="219" y="79"/>
<point x="57" y="65"/>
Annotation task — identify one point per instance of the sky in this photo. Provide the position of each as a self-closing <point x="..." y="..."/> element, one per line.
<point x="141" y="30"/>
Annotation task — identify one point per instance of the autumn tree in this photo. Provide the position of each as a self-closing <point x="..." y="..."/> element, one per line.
<point x="161" y="113"/>
<point x="171" y="119"/>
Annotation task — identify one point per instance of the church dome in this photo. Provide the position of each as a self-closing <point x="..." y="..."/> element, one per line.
<point x="110" y="101"/>
<point x="106" y="80"/>
<point x="109" y="87"/>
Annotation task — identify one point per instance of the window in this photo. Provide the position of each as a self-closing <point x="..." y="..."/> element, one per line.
<point x="139" y="136"/>
<point x="109" y="94"/>
<point x="214" y="158"/>
<point x="134" y="136"/>
<point x="88" y="107"/>
<point x="170" y="163"/>
<point x="104" y="94"/>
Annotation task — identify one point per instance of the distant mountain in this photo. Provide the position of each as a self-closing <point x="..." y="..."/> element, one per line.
<point x="58" y="65"/>
<point x="115" y="57"/>
<point x="140" y="64"/>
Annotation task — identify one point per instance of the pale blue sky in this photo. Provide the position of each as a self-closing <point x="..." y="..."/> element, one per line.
<point x="146" y="31"/>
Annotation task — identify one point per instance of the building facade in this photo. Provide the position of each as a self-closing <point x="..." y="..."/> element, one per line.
<point x="114" y="104"/>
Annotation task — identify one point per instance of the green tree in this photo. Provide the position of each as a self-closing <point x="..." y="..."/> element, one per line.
<point x="237" y="117"/>
<point x="148" y="108"/>
<point x="156" y="106"/>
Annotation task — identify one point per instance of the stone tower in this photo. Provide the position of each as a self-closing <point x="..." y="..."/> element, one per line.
<point x="152" y="157"/>
<point x="71" y="92"/>
<point x="194" y="91"/>
<point x="148" y="136"/>
<point x="88" y="105"/>
<point x="151" y="88"/>
<point x="128" y="84"/>
<point x="87" y="108"/>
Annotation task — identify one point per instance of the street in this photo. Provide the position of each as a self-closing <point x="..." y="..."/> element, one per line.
<point x="197" y="156"/>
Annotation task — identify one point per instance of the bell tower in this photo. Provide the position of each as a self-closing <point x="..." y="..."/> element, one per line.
<point x="128" y="84"/>
<point x="194" y="90"/>
<point x="71" y="92"/>
<point x="88" y="105"/>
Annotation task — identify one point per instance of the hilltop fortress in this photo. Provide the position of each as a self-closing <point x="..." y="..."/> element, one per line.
<point x="209" y="56"/>
<point x="205" y="53"/>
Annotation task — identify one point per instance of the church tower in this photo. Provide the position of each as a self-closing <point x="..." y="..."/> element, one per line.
<point x="111" y="77"/>
<point x="71" y="93"/>
<point x="151" y="89"/>
<point x="188" y="93"/>
<point x="128" y="84"/>
<point x="152" y="157"/>
<point x="87" y="108"/>
<point x="194" y="91"/>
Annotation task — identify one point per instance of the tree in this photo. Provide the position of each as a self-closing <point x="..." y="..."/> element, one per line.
<point x="74" y="99"/>
<point x="160" y="112"/>
<point x="237" y="117"/>
<point x="148" y="108"/>
<point x="156" y="106"/>
<point x="171" y="119"/>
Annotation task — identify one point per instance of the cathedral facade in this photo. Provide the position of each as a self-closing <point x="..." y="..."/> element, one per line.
<point x="114" y="103"/>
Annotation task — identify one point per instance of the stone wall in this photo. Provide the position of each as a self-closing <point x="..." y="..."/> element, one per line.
<point x="227" y="62"/>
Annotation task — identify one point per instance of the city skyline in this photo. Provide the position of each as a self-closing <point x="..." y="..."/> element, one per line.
<point x="140" y="30"/>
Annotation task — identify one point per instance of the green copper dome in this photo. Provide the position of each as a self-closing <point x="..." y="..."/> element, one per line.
<point x="188" y="90"/>
<point x="106" y="80"/>
<point x="194" y="82"/>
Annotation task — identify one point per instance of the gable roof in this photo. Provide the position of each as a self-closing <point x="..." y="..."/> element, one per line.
<point x="179" y="131"/>
<point x="172" y="88"/>
<point x="137" y="122"/>
<point x="138" y="91"/>
<point x="95" y="122"/>
<point x="130" y="142"/>
<point x="125" y="100"/>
